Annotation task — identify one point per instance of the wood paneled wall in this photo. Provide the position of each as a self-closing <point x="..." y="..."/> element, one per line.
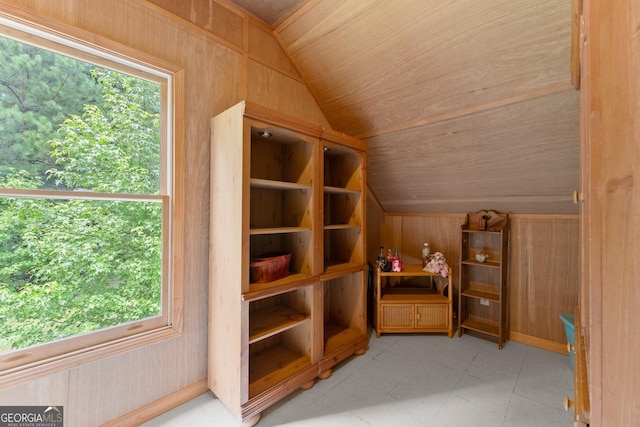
<point x="543" y="276"/>
<point x="611" y="210"/>
<point x="227" y="57"/>
<point x="543" y="268"/>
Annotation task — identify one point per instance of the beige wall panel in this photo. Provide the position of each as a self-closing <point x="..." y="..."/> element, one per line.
<point x="97" y="392"/>
<point x="277" y="91"/>
<point x="223" y="68"/>
<point x="226" y="24"/>
<point x="544" y="275"/>
<point x="65" y="11"/>
<point x="265" y="48"/>
<point x="543" y="270"/>
<point x="448" y="56"/>
<point x="208" y="15"/>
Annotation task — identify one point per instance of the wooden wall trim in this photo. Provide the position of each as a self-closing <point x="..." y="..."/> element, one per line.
<point x="539" y="343"/>
<point x="277" y="68"/>
<point x="265" y="114"/>
<point x="245" y="58"/>
<point x="160" y="406"/>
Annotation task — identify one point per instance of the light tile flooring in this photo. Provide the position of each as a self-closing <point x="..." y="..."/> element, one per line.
<point x="417" y="380"/>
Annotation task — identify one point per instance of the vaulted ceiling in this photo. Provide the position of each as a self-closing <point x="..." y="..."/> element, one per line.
<point x="465" y="104"/>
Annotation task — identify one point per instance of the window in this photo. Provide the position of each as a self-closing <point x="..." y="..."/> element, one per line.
<point x="86" y="199"/>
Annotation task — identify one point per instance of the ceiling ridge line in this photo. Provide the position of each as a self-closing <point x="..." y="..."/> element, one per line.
<point x="550" y="90"/>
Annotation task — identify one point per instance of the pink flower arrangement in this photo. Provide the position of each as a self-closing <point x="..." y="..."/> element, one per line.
<point x="437" y="264"/>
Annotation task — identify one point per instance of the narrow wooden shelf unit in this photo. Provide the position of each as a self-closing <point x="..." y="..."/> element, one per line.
<point x="482" y="298"/>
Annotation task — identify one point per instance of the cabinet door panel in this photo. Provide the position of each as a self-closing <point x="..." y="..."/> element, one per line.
<point x="397" y="316"/>
<point x="431" y="316"/>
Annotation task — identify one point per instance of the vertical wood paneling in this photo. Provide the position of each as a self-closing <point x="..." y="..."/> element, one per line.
<point x="544" y="275"/>
<point x="409" y="232"/>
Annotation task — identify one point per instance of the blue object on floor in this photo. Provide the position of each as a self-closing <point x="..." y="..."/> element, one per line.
<point x="569" y="327"/>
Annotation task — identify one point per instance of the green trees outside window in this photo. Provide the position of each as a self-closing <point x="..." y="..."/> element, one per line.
<point x="79" y="251"/>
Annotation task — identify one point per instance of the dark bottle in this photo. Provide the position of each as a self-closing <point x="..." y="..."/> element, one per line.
<point x="380" y="262"/>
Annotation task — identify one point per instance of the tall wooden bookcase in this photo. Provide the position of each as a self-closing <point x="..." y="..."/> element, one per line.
<point x="482" y="299"/>
<point x="279" y="184"/>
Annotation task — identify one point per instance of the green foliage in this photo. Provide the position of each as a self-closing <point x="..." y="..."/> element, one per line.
<point x="68" y="267"/>
<point x="38" y="89"/>
<point x="115" y="148"/>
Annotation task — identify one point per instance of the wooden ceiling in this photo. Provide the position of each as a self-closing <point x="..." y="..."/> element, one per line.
<point x="465" y="104"/>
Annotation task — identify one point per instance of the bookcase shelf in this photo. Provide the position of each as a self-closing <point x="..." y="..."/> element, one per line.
<point x="482" y="299"/>
<point x="282" y="185"/>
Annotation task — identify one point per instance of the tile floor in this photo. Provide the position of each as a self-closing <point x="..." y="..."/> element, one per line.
<point x="417" y="380"/>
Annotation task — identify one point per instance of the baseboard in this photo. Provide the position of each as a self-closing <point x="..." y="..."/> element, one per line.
<point x="539" y="342"/>
<point x="160" y="406"/>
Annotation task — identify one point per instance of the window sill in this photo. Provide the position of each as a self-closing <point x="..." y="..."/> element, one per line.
<point x="28" y="372"/>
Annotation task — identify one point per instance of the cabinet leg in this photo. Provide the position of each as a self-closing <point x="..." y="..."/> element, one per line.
<point x="250" y="422"/>
<point x="360" y="351"/>
<point x="326" y="374"/>
<point x="308" y="385"/>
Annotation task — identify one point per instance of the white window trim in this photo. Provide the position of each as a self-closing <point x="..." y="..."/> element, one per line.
<point x="44" y="359"/>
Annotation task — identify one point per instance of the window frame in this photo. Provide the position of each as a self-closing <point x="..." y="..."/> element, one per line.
<point x="32" y="362"/>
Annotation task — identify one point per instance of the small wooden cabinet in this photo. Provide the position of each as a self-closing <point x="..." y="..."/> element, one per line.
<point x="482" y="302"/>
<point x="409" y="302"/>
<point x="279" y="184"/>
